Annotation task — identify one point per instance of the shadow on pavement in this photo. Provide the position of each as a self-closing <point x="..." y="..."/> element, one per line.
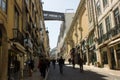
<point x="73" y="74"/>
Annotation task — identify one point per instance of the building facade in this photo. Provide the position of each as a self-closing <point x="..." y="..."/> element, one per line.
<point x="21" y="22"/>
<point x="65" y="26"/>
<point x="78" y="32"/>
<point x="95" y="30"/>
<point x="107" y="20"/>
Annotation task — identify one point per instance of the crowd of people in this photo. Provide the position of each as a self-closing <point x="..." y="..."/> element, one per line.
<point x="44" y="63"/>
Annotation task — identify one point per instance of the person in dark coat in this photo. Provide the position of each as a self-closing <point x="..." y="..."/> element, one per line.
<point x="61" y="63"/>
<point x="42" y="66"/>
<point x="53" y="63"/>
<point x="80" y="62"/>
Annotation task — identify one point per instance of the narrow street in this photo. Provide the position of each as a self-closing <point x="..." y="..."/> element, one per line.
<point x="88" y="74"/>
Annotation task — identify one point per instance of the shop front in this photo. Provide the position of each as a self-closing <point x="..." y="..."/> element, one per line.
<point x="114" y="47"/>
<point x="16" y="61"/>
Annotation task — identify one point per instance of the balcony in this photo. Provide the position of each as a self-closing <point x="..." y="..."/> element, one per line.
<point x="111" y="33"/>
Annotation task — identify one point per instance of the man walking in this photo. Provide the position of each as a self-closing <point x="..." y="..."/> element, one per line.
<point x="61" y="63"/>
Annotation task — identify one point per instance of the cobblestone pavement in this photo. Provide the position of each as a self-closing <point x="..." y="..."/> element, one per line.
<point x="90" y="73"/>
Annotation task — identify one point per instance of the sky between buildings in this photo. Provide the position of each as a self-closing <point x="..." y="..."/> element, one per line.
<point x="64" y="6"/>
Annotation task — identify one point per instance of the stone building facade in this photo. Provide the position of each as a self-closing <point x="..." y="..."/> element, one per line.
<point x="21" y="37"/>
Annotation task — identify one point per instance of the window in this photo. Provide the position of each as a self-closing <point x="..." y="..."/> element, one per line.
<point x="27" y="2"/>
<point x="16" y="18"/>
<point x="100" y="30"/>
<point x="98" y="8"/>
<point x="89" y="11"/>
<point x="105" y="2"/>
<point x="0" y="3"/>
<point x="30" y="5"/>
<point x="107" y="22"/>
<point x="117" y="16"/>
<point x="16" y="24"/>
<point x="3" y="5"/>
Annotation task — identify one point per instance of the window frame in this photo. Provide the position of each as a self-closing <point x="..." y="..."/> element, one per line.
<point x="105" y="3"/>
<point x="108" y="23"/>
<point x="98" y="8"/>
<point x="3" y="5"/>
<point x="116" y="16"/>
<point x="100" y="30"/>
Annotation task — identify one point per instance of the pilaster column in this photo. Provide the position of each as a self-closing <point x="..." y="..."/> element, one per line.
<point x="115" y="55"/>
<point x="87" y="55"/>
<point x="109" y="57"/>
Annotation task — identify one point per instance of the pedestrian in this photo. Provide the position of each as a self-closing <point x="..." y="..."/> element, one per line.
<point x="80" y="62"/>
<point x="42" y="66"/>
<point x="16" y="64"/>
<point x="69" y="60"/>
<point x="61" y="63"/>
<point x="53" y="63"/>
<point x="31" y="66"/>
<point x="73" y="63"/>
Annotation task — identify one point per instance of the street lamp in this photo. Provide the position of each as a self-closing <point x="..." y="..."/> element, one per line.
<point x="45" y="31"/>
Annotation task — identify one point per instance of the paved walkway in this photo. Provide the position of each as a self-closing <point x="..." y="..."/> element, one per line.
<point x="90" y="73"/>
<point x="36" y="76"/>
<point x="103" y="70"/>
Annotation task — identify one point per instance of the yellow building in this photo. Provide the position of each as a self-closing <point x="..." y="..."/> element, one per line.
<point x="3" y="40"/>
<point x="20" y="36"/>
<point x="79" y="28"/>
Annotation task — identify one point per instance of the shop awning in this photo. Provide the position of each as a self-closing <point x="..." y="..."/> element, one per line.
<point x="19" y="47"/>
<point x="114" y="42"/>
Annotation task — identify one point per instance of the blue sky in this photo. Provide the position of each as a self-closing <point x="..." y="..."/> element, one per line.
<point x="57" y="6"/>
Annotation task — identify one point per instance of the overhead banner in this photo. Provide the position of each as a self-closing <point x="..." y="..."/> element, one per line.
<point x="48" y="15"/>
